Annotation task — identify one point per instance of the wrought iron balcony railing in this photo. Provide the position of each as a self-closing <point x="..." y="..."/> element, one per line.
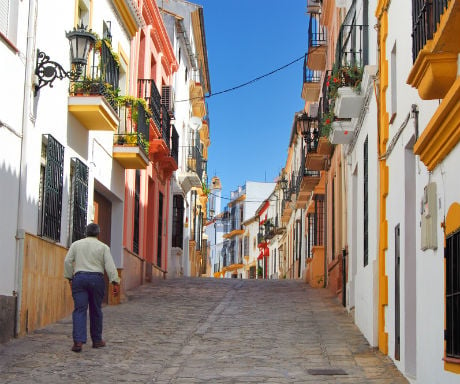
<point x="148" y="90"/>
<point x="103" y="78"/>
<point x="350" y="46"/>
<point x="195" y="161"/>
<point x="426" y="15"/>
<point x="311" y="140"/>
<point x="132" y="139"/>
<point x="310" y="76"/>
<point x="134" y="118"/>
<point x="165" y="126"/>
<point x="174" y="144"/>
<point x="316" y="32"/>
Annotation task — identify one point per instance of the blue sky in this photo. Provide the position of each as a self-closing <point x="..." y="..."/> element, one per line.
<point x="250" y="127"/>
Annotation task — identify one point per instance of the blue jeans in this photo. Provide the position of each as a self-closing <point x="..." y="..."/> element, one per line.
<point x="88" y="289"/>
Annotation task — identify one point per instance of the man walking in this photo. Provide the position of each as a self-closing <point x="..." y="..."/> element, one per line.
<point x="84" y="267"/>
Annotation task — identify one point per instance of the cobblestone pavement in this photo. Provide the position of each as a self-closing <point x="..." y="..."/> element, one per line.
<point x="188" y="331"/>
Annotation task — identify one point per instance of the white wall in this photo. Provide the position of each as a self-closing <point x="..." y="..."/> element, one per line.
<point x="256" y="193"/>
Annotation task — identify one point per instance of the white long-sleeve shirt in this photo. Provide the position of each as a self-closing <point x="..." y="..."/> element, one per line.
<point x="90" y="255"/>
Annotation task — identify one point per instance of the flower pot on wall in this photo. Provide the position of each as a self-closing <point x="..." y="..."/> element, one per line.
<point x="348" y="103"/>
<point x="342" y="132"/>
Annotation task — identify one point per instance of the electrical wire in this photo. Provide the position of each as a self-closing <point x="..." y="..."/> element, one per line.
<point x="247" y="82"/>
<point x="247" y="201"/>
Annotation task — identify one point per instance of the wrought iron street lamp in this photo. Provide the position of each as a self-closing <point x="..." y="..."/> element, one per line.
<point x="309" y="128"/>
<point x="46" y="70"/>
<point x="284" y="186"/>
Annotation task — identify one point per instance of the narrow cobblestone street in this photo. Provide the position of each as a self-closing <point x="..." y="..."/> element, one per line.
<point x="208" y="331"/>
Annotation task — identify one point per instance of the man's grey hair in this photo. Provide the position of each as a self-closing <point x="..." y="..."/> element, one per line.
<point x="92" y="230"/>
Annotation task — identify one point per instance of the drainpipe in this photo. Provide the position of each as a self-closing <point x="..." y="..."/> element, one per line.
<point x="22" y="198"/>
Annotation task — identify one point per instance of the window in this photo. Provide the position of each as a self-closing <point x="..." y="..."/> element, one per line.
<point x="178" y="221"/>
<point x="319" y="220"/>
<point x="311" y="234"/>
<point x="83" y="12"/>
<point x="79" y="199"/>
<point x="333" y="219"/>
<point x="9" y="19"/>
<point x="137" y="190"/>
<point x="394" y="98"/>
<point x="51" y="185"/>
<point x="246" y="246"/>
<point x="452" y="333"/>
<point x="366" y="205"/>
<point x="160" y="228"/>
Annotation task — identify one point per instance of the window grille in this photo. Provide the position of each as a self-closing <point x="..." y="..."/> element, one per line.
<point x="51" y="207"/>
<point x="178" y="221"/>
<point x="311" y="234"/>
<point x="333" y="220"/>
<point x="137" y="190"/>
<point x="366" y="204"/>
<point x="160" y="228"/>
<point x="319" y="220"/>
<point x="452" y="333"/>
<point x="79" y="199"/>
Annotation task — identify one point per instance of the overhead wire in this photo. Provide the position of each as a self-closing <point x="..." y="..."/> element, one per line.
<point x="247" y="82"/>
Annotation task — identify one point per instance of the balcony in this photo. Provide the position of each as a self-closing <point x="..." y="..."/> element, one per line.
<point x="169" y="163"/>
<point x="310" y="181"/>
<point x="317" y="44"/>
<point x="131" y="144"/>
<point x="191" y="177"/>
<point x="434" y="51"/>
<point x="160" y="145"/>
<point x="148" y="90"/>
<point x="314" y="6"/>
<point x="130" y="150"/>
<point x="311" y="83"/>
<point x="286" y="211"/>
<point x="197" y="99"/>
<point x="318" y="147"/>
<point x="93" y="97"/>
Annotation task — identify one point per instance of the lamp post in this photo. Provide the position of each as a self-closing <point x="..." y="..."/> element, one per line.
<point x="46" y="70"/>
<point x="284" y="186"/>
<point x="309" y="128"/>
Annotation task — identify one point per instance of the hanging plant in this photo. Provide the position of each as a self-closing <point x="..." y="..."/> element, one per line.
<point x="205" y="189"/>
<point x="345" y="76"/>
<point x="326" y="123"/>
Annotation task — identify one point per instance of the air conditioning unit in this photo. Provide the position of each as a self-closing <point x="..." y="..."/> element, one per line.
<point x="314" y="6"/>
<point x="167" y="98"/>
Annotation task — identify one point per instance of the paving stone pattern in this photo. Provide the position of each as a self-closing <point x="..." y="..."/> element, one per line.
<point x="188" y="331"/>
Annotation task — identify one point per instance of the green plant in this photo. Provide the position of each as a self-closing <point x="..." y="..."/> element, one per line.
<point x="259" y="271"/>
<point x="205" y="189"/>
<point x="133" y="102"/>
<point x="144" y="143"/>
<point x="325" y="125"/>
<point x="344" y="76"/>
<point x="98" y="48"/>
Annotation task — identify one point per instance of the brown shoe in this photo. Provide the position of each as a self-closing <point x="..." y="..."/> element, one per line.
<point x="77" y="346"/>
<point x="98" y="344"/>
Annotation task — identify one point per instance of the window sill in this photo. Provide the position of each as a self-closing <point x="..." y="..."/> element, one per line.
<point x="9" y="43"/>
<point x="452" y="360"/>
<point x="452" y="364"/>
